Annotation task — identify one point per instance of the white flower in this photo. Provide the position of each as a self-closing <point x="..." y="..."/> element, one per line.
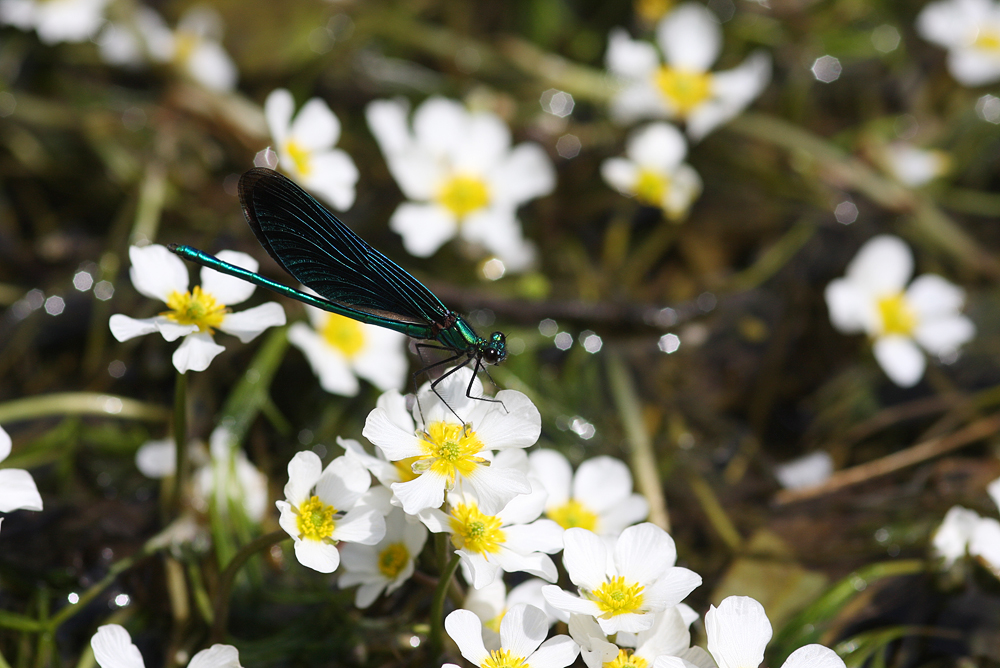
<point x="512" y="540"/>
<point x="963" y="530"/>
<point x="306" y="147"/>
<point x="385" y="565"/>
<point x="522" y="631"/>
<point x="340" y="350"/>
<point x="738" y="632"/>
<point x="871" y="299"/>
<point x="667" y="643"/>
<point x="449" y="453"/>
<point x="654" y="172"/>
<point x="17" y="487"/>
<point x="970" y="30"/>
<point x="113" y="648"/>
<point x="321" y="508"/>
<point x="491" y="602"/>
<point x="806" y="471"/>
<point x="462" y="177"/>
<point x="55" y="20"/>
<point x="626" y="589"/>
<point x="683" y="88"/>
<point x="913" y="166"/>
<point x="196" y="314"/>
<point x="598" y="498"/>
<point x="194" y="48"/>
<point x="227" y="476"/>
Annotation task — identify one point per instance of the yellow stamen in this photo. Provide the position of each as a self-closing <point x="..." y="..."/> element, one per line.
<point x="683" y="88"/>
<point x="501" y="658"/>
<point x="615" y="597"/>
<point x="463" y="194"/>
<point x="473" y="531"/>
<point x="405" y="469"/>
<point x="184" y="45"/>
<point x="451" y="450"/>
<point x="344" y="334"/>
<point x="300" y="157"/>
<point x="393" y="559"/>
<point x="988" y="40"/>
<point x="896" y="315"/>
<point x="315" y="519"/>
<point x="651" y="187"/>
<point x="651" y="11"/>
<point x="626" y="660"/>
<point x="573" y="514"/>
<point x="196" y="308"/>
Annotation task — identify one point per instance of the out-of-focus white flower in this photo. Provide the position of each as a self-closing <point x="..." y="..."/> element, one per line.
<point x="970" y="30"/>
<point x="386" y="565"/>
<point x="623" y="590"/>
<point x="340" y="350"/>
<point x="682" y="87"/>
<point x="113" y="648"/>
<point x="873" y="298"/>
<point x="806" y="471"/>
<point x="666" y="644"/>
<point x="462" y="177"/>
<point x="913" y="166"/>
<point x="453" y="454"/>
<point x="55" y="20"/>
<point x="321" y="508"/>
<point x="598" y="498"/>
<point x="963" y="530"/>
<point x="306" y="150"/>
<point x="513" y="540"/>
<point x="653" y="171"/>
<point x="491" y="602"/>
<point x="17" y="487"/>
<point x="738" y="631"/>
<point x="522" y="631"/>
<point x="195" y="315"/>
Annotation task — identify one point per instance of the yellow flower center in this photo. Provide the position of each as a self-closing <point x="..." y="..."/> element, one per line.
<point x="196" y="308"/>
<point x="626" y="660"/>
<point x="494" y="624"/>
<point x="988" y="40"/>
<point x="392" y="560"/>
<point x="501" y="658"/>
<point x="344" y="334"/>
<point x="573" y="514"/>
<point x="184" y="45"/>
<point x="473" y="531"/>
<point x="463" y="194"/>
<point x="405" y="469"/>
<point x="651" y="11"/>
<point x="683" y="88"/>
<point x="651" y="188"/>
<point x="300" y="157"/>
<point x="896" y="315"/>
<point x="616" y="597"/>
<point x="451" y="449"/>
<point x="315" y="519"/>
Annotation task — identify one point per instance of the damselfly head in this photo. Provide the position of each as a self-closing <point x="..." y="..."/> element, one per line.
<point x="494" y="349"/>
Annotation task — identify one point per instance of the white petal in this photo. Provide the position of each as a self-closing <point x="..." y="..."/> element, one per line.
<point x="383" y="362"/>
<point x="882" y="266"/>
<point x="418" y="172"/>
<point x="327" y="362"/>
<point x="806" y="471"/>
<point x="932" y="296"/>
<point x="946" y="24"/>
<point x="426" y="491"/>
<point x="316" y="126"/>
<point x="304" y="471"/>
<point x="342" y="483"/>
<point x="602" y="482"/>
<point x="485" y="145"/>
<point x="319" y="556"/>
<point x="467" y="631"/>
<point x="625" y="513"/>
<point x="974" y="67"/>
<point x="555" y="652"/>
<point x="672" y="588"/>
<point x="945" y="335"/>
<point x="124" y="328"/>
<point x="901" y="360"/>
<point x="621" y="174"/>
<point x="156" y="272"/>
<point x="849" y="307"/>
<point x="424" y="227"/>
<point x="634" y="547"/>
<point x="738" y="631"/>
<point x="18" y="491"/>
<point x="813" y="656"/>
<point x="5" y="444"/>
<point x="361" y="525"/>
<point x="333" y="178"/>
<point x="157" y="459"/>
<point x="514" y="424"/>
<point x="229" y="290"/>
<point x="585" y="558"/>
<point x="684" y="190"/>
<point x="553" y="470"/>
<point x="985" y="543"/>
<point x="113" y="648"/>
<point x="523" y="629"/>
<point x="732" y="91"/>
<point x="628" y="622"/>
<point x="212" y="67"/>
<point x="278" y="108"/>
<point x="287" y="519"/>
<point x="535" y="563"/>
<point x="640" y="99"/>
<point x="394" y="441"/>
<point x="658" y="146"/>
<point x="440" y="125"/>
<point x="387" y="121"/>
<point x="195" y="353"/>
<point x="993" y="489"/>
<point x="170" y="330"/>
<point x="563" y="600"/>
<point x="630" y="58"/>
<point x="495" y="487"/>
<point x="247" y="325"/>
<point x="690" y="37"/>
<point x="216" y="656"/>
<point x="524" y="174"/>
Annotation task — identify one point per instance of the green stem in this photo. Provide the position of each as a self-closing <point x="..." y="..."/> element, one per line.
<point x="180" y="441"/>
<point x="437" y="606"/>
<point x="229" y="576"/>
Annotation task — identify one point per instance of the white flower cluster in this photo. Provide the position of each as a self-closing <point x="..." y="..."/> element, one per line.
<point x="965" y="531"/>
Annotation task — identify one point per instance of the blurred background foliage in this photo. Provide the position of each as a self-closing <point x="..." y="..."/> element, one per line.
<point x="94" y="158"/>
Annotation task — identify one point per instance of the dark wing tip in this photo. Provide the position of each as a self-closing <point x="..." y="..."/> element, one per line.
<point x="248" y="181"/>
